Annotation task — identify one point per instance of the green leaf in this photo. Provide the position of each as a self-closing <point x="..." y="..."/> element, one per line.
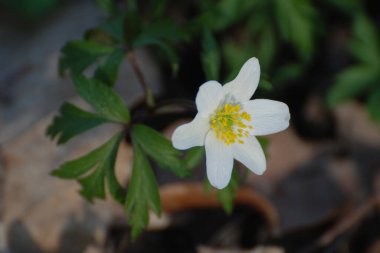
<point x="288" y="72"/>
<point x="108" y="71"/>
<point x="265" y="85"/>
<point x="207" y="186"/>
<point x="99" y="36"/>
<point x="106" y="5"/>
<point x="102" y="98"/>
<point x="148" y="40"/>
<point x="235" y="54"/>
<point x="210" y="56"/>
<point x="93" y="185"/>
<point x="115" y="27"/>
<point x="160" y="149"/>
<point x="366" y="45"/>
<point x="165" y="30"/>
<point x="267" y="47"/>
<point x="142" y="192"/>
<point x="159" y="7"/>
<point x="264" y="142"/>
<point x="227" y="195"/>
<point x="374" y="106"/>
<point x="296" y="21"/>
<point x="132" y="5"/>
<point x="194" y="156"/>
<point x="79" y="54"/>
<point x="91" y="170"/>
<point x="78" y="167"/>
<point x="232" y="11"/>
<point x="348" y="6"/>
<point x="219" y="16"/>
<point x="351" y="83"/>
<point x="31" y="9"/>
<point x="71" y="122"/>
<point x="114" y="187"/>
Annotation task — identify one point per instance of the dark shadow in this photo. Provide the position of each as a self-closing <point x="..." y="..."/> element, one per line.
<point x="78" y="233"/>
<point x="20" y="240"/>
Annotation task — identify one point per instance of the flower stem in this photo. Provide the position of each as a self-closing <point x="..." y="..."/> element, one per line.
<point x="149" y="98"/>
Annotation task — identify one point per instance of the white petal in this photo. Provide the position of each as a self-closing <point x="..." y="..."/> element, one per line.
<point x="219" y="161"/>
<point x="244" y="85"/>
<point x="267" y="116"/>
<point x="191" y="134"/>
<point x="208" y="97"/>
<point x="250" y="154"/>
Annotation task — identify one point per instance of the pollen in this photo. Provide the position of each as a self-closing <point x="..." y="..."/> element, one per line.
<point x="230" y="123"/>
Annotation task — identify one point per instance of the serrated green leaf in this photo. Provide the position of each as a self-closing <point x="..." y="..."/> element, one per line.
<point x="108" y="71"/>
<point x="148" y="40"/>
<point x="227" y="195"/>
<point x="143" y="192"/>
<point x="374" y="105"/>
<point x="115" y="27"/>
<point x="76" y="168"/>
<point x="114" y="187"/>
<point x="366" y="44"/>
<point x="102" y="98"/>
<point x="366" y="31"/>
<point x="160" y="149"/>
<point x="79" y="54"/>
<point x="351" y="83"/>
<point x="71" y="122"/>
<point x="91" y="170"/>
<point x="296" y="21"/>
<point x="210" y="56"/>
<point x="93" y="185"/>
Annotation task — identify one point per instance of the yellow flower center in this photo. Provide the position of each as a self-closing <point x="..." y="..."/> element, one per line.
<point x="229" y="123"/>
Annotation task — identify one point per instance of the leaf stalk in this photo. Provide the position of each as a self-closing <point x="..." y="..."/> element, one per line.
<point x="149" y="97"/>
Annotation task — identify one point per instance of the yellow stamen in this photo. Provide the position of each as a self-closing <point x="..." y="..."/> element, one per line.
<point x="227" y="123"/>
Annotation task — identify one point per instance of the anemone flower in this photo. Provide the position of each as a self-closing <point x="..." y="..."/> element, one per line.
<point x="227" y="123"/>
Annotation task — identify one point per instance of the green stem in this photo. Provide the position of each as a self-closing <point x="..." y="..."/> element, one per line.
<point x="149" y="97"/>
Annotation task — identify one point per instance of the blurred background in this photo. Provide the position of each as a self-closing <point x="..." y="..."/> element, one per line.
<point x="321" y="191"/>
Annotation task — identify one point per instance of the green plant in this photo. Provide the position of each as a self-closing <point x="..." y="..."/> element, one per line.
<point x="228" y="32"/>
<point x="361" y="79"/>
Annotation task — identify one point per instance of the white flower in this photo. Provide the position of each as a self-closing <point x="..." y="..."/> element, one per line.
<point x="227" y="123"/>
